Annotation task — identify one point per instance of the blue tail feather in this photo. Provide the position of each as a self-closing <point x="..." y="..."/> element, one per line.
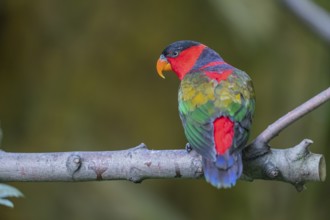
<point x="224" y="172"/>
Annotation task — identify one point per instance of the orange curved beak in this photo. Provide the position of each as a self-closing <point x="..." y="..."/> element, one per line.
<point x="163" y="65"/>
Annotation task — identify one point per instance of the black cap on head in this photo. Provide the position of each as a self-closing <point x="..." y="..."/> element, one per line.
<point x="178" y="46"/>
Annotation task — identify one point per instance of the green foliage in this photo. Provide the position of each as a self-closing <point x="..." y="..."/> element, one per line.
<point x="8" y="191"/>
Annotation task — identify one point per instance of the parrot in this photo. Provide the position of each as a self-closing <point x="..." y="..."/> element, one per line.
<point x="216" y="103"/>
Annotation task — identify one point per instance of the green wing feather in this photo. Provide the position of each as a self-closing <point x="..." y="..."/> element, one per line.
<point x="202" y="100"/>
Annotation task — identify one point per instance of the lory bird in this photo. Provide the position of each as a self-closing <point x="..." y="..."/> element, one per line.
<point x="216" y="106"/>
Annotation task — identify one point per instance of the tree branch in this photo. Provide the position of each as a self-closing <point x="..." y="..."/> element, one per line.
<point x="260" y="145"/>
<point x="134" y="164"/>
<point x="274" y="129"/>
<point x="314" y="16"/>
<point x="295" y="165"/>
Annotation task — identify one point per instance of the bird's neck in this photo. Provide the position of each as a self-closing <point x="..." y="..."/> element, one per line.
<point x="186" y="60"/>
<point x="204" y="59"/>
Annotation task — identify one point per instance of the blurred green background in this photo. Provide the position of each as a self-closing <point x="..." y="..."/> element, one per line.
<point x="80" y="75"/>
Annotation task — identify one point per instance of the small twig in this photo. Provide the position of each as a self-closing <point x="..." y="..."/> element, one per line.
<point x="274" y="129"/>
<point x="260" y="145"/>
<point x="314" y="16"/>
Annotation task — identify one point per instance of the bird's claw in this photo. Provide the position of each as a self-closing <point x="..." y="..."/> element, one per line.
<point x="188" y="148"/>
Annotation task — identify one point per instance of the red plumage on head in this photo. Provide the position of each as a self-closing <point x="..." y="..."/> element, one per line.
<point x="185" y="61"/>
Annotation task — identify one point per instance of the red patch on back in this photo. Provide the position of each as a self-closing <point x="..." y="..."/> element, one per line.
<point x="182" y="64"/>
<point x="215" y="63"/>
<point x="219" y="76"/>
<point x="223" y="134"/>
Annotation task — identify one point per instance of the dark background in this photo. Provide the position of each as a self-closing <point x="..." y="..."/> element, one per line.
<point x="80" y="75"/>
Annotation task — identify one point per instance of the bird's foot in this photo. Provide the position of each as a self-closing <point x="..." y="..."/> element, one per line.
<point x="188" y="148"/>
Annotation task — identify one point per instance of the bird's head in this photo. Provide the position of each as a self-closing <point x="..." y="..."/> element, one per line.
<point x="180" y="57"/>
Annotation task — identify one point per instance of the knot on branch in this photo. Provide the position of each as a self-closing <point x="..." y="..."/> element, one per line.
<point x="300" y="186"/>
<point x="271" y="171"/>
<point x="135" y="175"/>
<point x="73" y="164"/>
<point x="300" y="151"/>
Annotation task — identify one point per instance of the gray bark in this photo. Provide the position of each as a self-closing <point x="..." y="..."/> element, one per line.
<point x="295" y="165"/>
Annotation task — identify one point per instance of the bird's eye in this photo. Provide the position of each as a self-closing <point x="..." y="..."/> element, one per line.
<point x="175" y="53"/>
